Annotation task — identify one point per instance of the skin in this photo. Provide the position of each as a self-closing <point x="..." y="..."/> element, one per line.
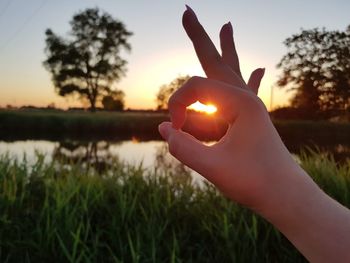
<point x="250" y="164"/>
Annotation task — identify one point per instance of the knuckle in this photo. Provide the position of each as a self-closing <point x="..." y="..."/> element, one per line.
<point x="194" y="80"/>
<point x="259" y="104"/>
<point x="254" y="103"/>
<point x="171" y="101"/>
<point x="191" y="82"/>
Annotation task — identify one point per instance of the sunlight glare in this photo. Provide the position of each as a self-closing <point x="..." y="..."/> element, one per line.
<point x="200" y="107"/>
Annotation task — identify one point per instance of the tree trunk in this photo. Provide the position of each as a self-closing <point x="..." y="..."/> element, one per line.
<point x="92" y="99"/>
<point x="93" y="105"/>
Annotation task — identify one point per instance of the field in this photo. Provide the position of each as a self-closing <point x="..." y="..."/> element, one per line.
<point x="55" y="213"/>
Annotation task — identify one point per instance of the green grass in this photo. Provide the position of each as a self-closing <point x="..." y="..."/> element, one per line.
<point x="55" y="213"/>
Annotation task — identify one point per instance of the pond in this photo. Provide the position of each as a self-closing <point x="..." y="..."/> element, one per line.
<point x="135" y="150"/>
<point x="149" y="154"/>
<point x="130" y="151"/>
<point x="98" y="154"/>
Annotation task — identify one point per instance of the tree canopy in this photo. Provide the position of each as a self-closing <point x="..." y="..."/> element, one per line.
<point x="88" y="62"/>
<point x="317" y="67"/>
<point x="166" y="90"/>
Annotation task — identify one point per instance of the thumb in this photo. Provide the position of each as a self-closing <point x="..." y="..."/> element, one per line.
<point x="185" y="147"/>
<point x="255" y="79"/>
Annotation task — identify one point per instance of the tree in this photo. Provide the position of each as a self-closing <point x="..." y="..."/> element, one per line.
<point x="317" y="67"/>
<point x="88" y="62"/>
<point x="114" y="101"/>
<point x="166" y="90"/>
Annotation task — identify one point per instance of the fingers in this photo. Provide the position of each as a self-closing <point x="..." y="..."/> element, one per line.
<point x="255" y="79"/>
<point x="204" y="47"/>
<point x="230" y="57"/>
<point x="207" y="54"/>
<point x="227" y="98"/>
<point x="229" y="53"/>
<point x="185" y="147"/>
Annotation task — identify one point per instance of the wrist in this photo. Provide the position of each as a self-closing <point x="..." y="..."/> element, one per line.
<point x="292" y="201"/>
<point x="315" y="223"/>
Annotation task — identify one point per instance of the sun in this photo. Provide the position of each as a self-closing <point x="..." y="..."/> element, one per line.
<point x="200" y="107"/>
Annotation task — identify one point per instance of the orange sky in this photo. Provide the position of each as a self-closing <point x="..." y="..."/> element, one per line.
<point x="161" y="50"/>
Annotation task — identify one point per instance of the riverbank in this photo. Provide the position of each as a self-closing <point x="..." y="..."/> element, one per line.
<point x="59" y="213"/>
<point x="58" y="125"/>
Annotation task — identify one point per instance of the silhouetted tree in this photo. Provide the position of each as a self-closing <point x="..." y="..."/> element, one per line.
<point x="317" y="67"/>
<point x="89" y="61"/>
<point x="166" y="90"/>
<point x="92" y="154"/>
<point x="114" y="101"/>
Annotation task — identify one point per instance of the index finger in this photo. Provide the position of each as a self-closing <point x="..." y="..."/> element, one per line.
<point x="209" y="57"/>
<point x="227" y="98"/>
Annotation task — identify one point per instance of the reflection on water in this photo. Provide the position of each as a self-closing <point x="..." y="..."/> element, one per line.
<point x="163" y="162"/>
<point x="169" y="165"/>
<point x="28" y="149"/>
<point x="89" y="154"/>
<point x="100" y="155"/>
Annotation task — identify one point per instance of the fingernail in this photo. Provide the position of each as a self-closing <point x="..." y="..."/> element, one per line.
<point x="230" y="27"/>
<point x="189" y="9"/>
<point x="164" y="129"/>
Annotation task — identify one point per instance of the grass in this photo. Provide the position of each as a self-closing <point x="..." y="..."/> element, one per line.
<point x="58" y="213"/>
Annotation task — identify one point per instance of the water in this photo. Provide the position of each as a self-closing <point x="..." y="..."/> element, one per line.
<point x="99" y="154"/>
<point x="130" y="151"/>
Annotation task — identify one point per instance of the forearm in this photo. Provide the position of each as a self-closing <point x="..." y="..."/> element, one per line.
<point x="315" y="223"/>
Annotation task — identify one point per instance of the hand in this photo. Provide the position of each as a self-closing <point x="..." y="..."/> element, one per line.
<point x="243" y="163"/>
<point x="226" y="67"/>
<point x="250" y="164"/>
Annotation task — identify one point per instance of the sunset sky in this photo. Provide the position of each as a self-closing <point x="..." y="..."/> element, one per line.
<point x="161" y="50"/>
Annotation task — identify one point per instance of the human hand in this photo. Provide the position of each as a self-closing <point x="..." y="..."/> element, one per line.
<point x="223" y="67"/>
<point x="250" y="164"/>
<point x="233" y="162"/>
<point x="243" y="163"/>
